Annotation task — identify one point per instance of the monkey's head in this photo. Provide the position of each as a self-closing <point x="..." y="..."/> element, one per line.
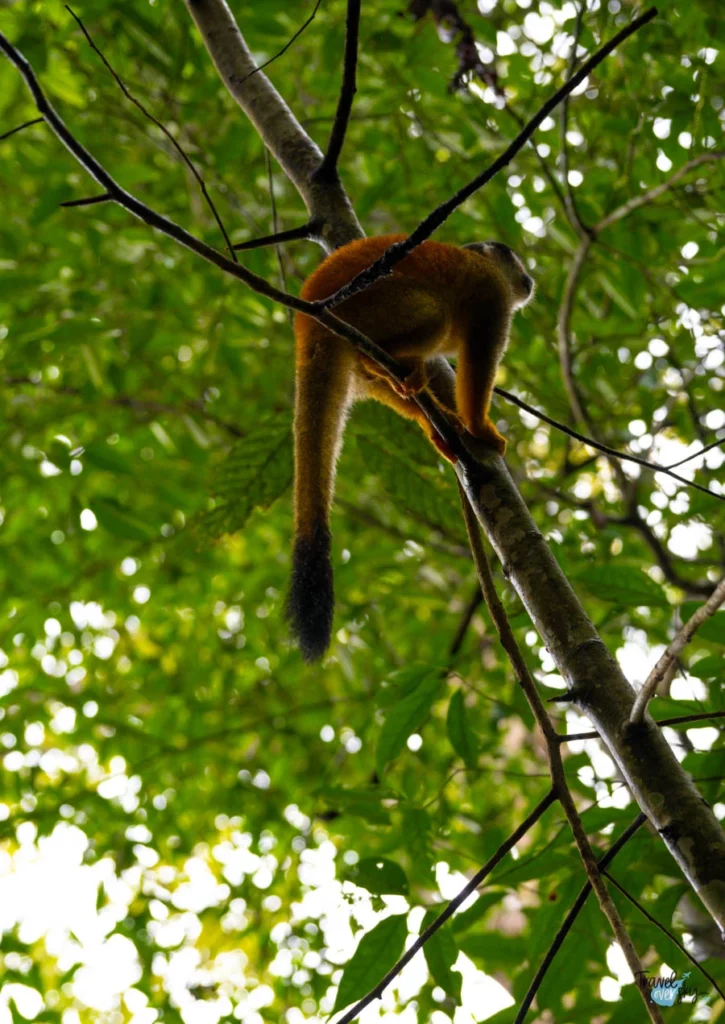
<point x="511" y="266"/>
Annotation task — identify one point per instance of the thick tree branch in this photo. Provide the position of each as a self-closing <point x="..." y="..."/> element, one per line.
<point x="296" y="153"/>
<point x="596" y="684"/>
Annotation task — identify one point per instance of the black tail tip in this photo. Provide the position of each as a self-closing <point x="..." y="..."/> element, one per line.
<point x="311" y="599"/>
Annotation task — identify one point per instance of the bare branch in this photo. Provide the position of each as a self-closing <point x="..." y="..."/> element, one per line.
<point x="287" y="45"/>
<point x="613" y="452"/>
<point x="569" y="199"/>
<point x="704" y="716"/>
<point x="425" y="229"/>
<point x="704" y="612"/>
<point x="327" y="170"/>
<point x="695" y="455"/>
<point x="665" y="931"/>
<point x="571" y="917"/>
<point x="162" y="127"/>
<point x="452" y="907"/>
<point x="553" y="748"/>
<point x="88" y="201"/>
<point x="21" y="127"/>
<point x="654" y="193"/>
<point x="304" y="231"/>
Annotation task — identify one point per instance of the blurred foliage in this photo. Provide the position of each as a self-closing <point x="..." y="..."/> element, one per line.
<point x="154" y="713"/>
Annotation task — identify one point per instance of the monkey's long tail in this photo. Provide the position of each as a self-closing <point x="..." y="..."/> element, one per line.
<point x="324" y="364"/>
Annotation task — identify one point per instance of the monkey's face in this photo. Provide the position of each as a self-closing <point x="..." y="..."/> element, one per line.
<point x="511" y="267"/>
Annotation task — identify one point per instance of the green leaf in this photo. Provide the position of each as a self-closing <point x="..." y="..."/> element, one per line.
<point x="106" y="456"/>
<point x="257" y="470"/>
<point x="711" y="667"/>
<point x="441" y="953"/>
<point x="379" y="876"/>
<point x="404" y="718"/>
<point x="622" y="584"/>
<point x="461" y="736"/>
<point x="119" y="521"/>
<point x="377" y="951"/>
<point x="712" y="629"/>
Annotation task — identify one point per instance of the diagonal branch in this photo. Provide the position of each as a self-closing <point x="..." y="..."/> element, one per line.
<point x="161" y="126"/>
<point x="287" y="45"/>
<point x="327" y="170"/>
<point x="569" y="199"/>
<point x="452" y="907"/>
<point x="571" y="917"/>
<point x="704" y="612"/>
<point x="425" y="229"/>
<point x="613" y="452"/>
<point x="553" y="747"/>
<point x="21" y="127"/>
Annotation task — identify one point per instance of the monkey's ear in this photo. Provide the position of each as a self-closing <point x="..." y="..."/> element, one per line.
<point x="481" y="247"/>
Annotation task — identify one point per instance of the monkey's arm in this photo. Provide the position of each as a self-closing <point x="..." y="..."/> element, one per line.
<point x="481" y="347"/>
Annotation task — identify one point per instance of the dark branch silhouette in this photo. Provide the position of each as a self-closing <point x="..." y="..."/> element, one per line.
<point x="21" y="127"/>
<point x="348" y="88"/>
<point x="623" y="456"/>
<point x="304" y="231"/>
<point x="434" y="220"/>
<point x="571" y="917"/>
<point x="162" y="127"/>
<point x="287" y="45"/>
<point x="452" y="907"/>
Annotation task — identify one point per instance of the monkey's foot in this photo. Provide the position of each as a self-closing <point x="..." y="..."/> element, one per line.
<point x="491" y="437"/>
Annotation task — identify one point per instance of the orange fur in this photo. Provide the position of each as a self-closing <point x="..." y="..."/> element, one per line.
<point x="441" y="300"/>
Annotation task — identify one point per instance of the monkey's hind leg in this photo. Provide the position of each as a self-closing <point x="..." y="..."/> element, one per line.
<point x="409" y="408"/>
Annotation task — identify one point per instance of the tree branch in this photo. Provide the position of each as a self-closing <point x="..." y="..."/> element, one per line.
<point x="425" y="229"/>
<point x="296" y="153"/>
<point x="623" y="456"/>
<point x="327" y="171"/>
<point x="287" y="45"/>
<point x="452" y="907"/>
<point x="571" y="917"/>
<point x="20" y="128"/>
<point x="162" y="128"/>
<point x="596" y="684"/>
<point x="704" y="612"/>
<point x="553" y="748"/>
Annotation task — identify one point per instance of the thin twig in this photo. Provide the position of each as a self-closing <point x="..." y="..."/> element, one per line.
<point x="348" y="88"/>
<point x="695" y="455"/>
<point x="160" y="126"/>
<point x="623" y="456"/>
<point x="569" y="199"/>
<point x="571" y="917"/>
<point x="287" y="45"/>
<point x="304" y="231"/>
<point x="88" y="201"/>
<point x="654" y="193"/>
<point x="704" y="612"/>
<point x="665" y="931"/>
<point x="21" y="127"/>
<point x="277" y="250"/>
<point x="452" y="907"/>
<point x="704" y="716"/>
<point x="425" y="229"/>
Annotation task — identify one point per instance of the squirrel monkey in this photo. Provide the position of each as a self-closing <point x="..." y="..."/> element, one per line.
<point x="441" y="300"/>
